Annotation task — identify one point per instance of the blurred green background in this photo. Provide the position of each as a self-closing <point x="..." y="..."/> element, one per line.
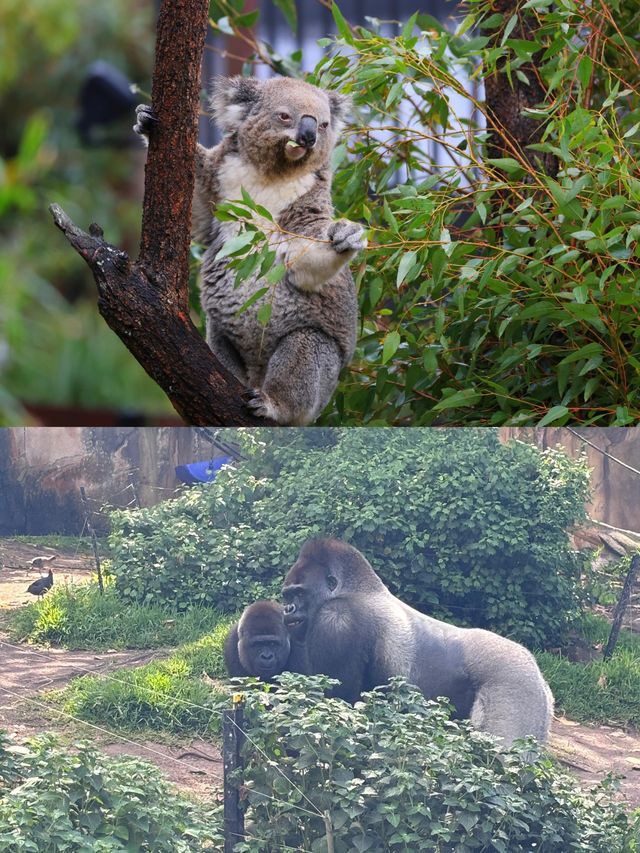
<point x="48" y="312"/>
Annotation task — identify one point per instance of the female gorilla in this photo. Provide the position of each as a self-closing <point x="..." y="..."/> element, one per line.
<point x="355" y="630"/>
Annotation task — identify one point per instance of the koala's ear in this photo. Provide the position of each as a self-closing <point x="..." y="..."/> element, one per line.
<point x="231" y="99"/>
<point x="341" y="106"/>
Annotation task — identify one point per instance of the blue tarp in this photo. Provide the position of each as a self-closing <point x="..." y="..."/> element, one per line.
<point x="201" y="472"/>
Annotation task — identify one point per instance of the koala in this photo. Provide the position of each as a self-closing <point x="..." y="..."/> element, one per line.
<point x="278" y="137"/>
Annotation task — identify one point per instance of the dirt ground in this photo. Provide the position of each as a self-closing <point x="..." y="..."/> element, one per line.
<point x="26" y="672"/>
<point x="589" y="752"/>
<point x="16" y="574"/>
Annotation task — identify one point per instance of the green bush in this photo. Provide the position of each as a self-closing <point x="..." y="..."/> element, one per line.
<point x="172" y="695"/>
<point x="56" y="349"/>
<point x="54" y="800"/>
<point x="455" y="522"/>
<point x="395" y="774"/>
<point x="79" y="617"/>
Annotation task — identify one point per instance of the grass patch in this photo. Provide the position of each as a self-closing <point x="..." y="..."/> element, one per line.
<point x="159" y="696"/>
<point x="60" y="542"/>
<point x="78" y="617"/>
<point x="599" y="691"/>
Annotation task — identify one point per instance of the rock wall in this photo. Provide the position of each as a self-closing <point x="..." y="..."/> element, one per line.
<point x="615" y="489"/>
<point x="42" y="469"/>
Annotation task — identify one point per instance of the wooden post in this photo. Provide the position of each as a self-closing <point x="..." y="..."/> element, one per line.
<point x="94" y="540"/>
<point x="232" y="741"/>
<point x="621" y="606"/>
<point x="326" y="815"/>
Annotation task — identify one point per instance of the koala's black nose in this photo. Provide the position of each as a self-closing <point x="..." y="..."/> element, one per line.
<point x="307" y="132"/>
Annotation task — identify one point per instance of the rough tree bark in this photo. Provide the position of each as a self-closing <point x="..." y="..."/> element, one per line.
<point x="506" y="101"/>
<point x="146" y="302"/>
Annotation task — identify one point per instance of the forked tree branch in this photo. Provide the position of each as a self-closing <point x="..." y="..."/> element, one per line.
<point x="146" y="302"/>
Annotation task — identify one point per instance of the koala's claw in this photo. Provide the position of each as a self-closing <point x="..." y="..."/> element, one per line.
<point x="145" y="120"/>
<point x="258" y="403"/>
<point x="347" y="236"/>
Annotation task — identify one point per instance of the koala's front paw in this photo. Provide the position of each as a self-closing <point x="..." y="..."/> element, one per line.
<point x="145" y="120"/>
<point x="347" y="236"/>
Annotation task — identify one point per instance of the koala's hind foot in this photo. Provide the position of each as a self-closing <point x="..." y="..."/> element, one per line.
<point x="301" y="377"/>
<point x="145" y="121"/>
<point x="347" y="236"/>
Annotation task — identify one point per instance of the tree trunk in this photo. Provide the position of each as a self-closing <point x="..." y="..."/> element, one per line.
<point x="146" y="302"/>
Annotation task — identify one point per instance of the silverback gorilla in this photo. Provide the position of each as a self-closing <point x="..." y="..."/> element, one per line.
<point x="259" y="644"/>
<point x="355" y="630"/>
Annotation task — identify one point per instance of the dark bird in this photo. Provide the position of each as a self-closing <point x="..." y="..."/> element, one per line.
<point x="42" y="585"/>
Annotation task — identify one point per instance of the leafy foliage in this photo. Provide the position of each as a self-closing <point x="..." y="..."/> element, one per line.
<point x="172" y="695"/>
<point x="54" y="348"/>
<point x="78" y="617"/>
<point x="395" y="774"/>
<point x="54" y="800"/>
<point x="455" y="522"/>
<point x="491" y="292"/>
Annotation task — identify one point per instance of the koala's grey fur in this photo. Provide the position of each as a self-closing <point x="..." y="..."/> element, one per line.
<point x="270" y="149"/>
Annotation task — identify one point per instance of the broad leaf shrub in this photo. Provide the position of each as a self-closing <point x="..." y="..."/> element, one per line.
<point x="54" y="800"/>
<point x="457" y="524"/>
<point x="395" y="774"/>
<point x="491" y="292"/>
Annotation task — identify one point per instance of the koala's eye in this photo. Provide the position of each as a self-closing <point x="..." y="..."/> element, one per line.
<point x="284" y="117"/>
<point x="323" y="125"/>
<point x="332" y="582"/>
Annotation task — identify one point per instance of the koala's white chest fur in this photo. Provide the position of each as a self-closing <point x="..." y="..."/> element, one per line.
<point x="276" y="194"/>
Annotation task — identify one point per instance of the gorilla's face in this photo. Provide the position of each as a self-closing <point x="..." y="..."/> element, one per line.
<point x="310" y="582"/>
<point x="325" y="569"/>
<point x="263" y="640"/>
<point x="264" y="655"/>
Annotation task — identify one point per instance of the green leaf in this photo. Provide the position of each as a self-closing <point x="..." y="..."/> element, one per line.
<point x="288" y="9"/>
<point x="554" y="414"/>
<point x="391" y="344"/>
<point x="507" y="164"/>
<point x="466" y="397"/>
<point x="253" y="298"/>
<point x="513" y="20"/>
<point x="583" y="235"/>
<point x="236" y="244"/>
<point x="406" y="263"/>
<point x="585" y="67"/>
<point x="263" y="314"/>
<point x="343" y="27"/>
<point x="276" y="274"/>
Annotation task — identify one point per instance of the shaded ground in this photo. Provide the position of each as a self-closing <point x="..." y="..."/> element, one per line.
<point x="26" y="671"/>
<point x="16" y="574"/>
